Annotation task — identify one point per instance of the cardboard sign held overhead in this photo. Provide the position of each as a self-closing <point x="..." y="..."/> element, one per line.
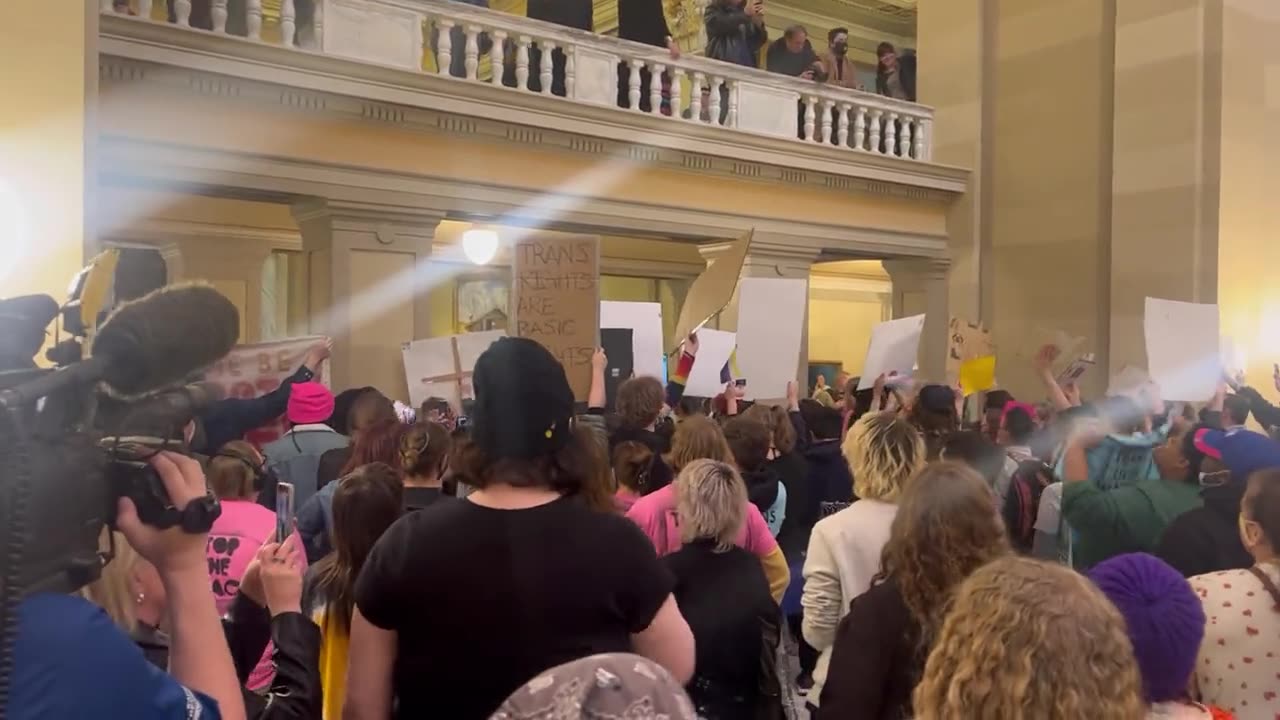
<point x="556" y="296"/>
<point x="967" y="341"/>
<point x="711" y="291"/>
<point x="441" y="367"/>
<point x="893" y="349"/>
<point x="770" y="331"/>
<point x="1181" y="354"/>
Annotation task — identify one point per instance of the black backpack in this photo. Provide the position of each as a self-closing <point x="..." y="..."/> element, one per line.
<point x="1022" y="503"/>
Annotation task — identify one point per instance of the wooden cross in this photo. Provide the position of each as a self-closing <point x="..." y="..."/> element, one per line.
<point x="458" y="377"/>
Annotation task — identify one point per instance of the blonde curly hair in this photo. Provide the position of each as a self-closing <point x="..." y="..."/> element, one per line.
<point x="1029" y="639"/>
<point x="883" y="450"/>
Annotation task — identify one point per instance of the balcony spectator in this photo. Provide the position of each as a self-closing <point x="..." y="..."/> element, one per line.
<point x="895" y="75"/>
<point x="735" y="31"/>
<point x="578" y="14"/>
<point x="792" y="54"/>
<point x="840" y="69"/>
<point x="643" y="21"/>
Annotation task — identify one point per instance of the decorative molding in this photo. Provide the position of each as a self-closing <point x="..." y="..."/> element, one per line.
<point x="161" y="233"/>
<point x="237" y="71"/>
<point x="276" y="179"/>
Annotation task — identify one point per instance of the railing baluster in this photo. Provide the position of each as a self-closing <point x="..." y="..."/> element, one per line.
<point x="317" y="25"/>
<point x="678" y="80"/>
<point x="904" y="138"/>
<point x="860" y="129"/>
<point x="924" y="146"/>
<point x="890" y="137"/>
<point x="809" y="117"/>
<point x="732" y="120"/>
<point x="497" y="58"/>
<point x="253" y="18"/>
<point x="633" y="86"/>
<point x="106" y="6"/>
<point x="827" y="107"/>
<point x="842" y="131"/>
<point x="655" y="88"/>
<point x="570" y="71"/>
<point x="875" y="131"/>
<point x="182" y="11"/>
<point x="288" y="23"/>
<point x="473" y="51"/>
<point x="522" y="62"/>
<point x="548" y="49"/>
<point x="695" y="97"/>
<point x="444" y="45"/>
<point x="716" y="100"/>
<point x="144" y="9"/>
<point x="219" y="14"/>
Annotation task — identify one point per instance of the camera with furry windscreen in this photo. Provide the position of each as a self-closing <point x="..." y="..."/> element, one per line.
<point x="75" y="439"/>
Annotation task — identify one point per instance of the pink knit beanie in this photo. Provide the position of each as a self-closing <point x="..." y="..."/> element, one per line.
<point x="309" y="402"/>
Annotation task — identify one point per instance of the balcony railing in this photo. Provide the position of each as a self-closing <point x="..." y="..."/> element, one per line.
<point x="474" y="45"/>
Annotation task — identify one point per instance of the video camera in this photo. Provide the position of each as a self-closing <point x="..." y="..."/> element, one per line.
<point x="75" y="439"/>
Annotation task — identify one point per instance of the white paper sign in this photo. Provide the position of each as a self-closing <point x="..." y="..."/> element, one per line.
<point x="1234" y="360"/>
<point x="644" y="319"/>
<point x="714" y="349"/>
<point x="1181" y="355"/>
<point x="770" y="326"/>
<point x="893" y="348"/>
<point x="441" y="367"/>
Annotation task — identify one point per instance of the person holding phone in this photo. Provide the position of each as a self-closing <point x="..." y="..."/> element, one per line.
<point x="735" y="31"/>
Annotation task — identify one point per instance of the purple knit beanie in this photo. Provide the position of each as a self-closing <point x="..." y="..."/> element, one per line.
<point x="1164" y="617"/>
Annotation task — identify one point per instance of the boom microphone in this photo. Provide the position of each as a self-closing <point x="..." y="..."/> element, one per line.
<point x="151" y="343"/>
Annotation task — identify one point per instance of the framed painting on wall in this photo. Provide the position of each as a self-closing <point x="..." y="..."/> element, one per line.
<point x="482" y="302"/>
<point x="827" y="369"/>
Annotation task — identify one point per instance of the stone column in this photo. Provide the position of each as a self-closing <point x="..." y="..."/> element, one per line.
<point x="920" y="286"/>
<point x="768" y="259"/>
<point x="232" y="265"/>
<point x="369" y="275"/>
<point x="48" y="92"/>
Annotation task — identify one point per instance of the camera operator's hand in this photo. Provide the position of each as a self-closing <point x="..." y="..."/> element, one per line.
<point x="281" y="576"/>
<point x="171" y="550"/>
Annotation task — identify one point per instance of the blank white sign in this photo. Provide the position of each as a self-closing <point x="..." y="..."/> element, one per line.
<point x="644" y="319"/>
<point x="893" y="348"/>
<point x="770" y="329"/>
<point x="714" y="349"/>
<point x="1183" y="356"/>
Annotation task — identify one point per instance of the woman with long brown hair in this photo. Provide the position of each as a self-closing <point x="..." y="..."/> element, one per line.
<point x="946" y="528"/>
<point x="377" y="443"/>
<point x="366" y="502"/>
<point x="1030" y="639"/>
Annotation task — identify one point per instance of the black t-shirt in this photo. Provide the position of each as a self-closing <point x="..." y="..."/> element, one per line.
<point x="483" y="599"/>
<point x="418" y="498"/>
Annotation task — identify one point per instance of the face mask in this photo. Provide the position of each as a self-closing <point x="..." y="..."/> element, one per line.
<point x="1215" y="479"/>
<point x="840" y="48"/>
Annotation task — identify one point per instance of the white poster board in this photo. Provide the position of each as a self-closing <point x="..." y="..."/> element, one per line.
<point x="893" y="348"/>
<point x="714" y="349"/>
<point x="644" y="319"/>
<point x="1234" y="359"/>
<point x="441" y="367"/>
<point x="770" y="329"/>
<point x="1181" y="355"/>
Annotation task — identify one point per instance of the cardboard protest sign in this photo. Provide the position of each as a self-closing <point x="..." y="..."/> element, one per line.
<point x="711" y="291"/>
<point x="556" y="296"/>
<point x="1181" y="357"/>
<point x="967" y="340"/>
<point x="644" y="319"/>
<point x="441" y="367"/>
<point x="714" y="349"/>
<point x="250" y="371"/>
<point x="771" y="314"/>
<point x="893" y="349"/>
<point x="1076" y="370"/>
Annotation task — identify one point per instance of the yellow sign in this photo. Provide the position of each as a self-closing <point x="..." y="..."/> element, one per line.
<point x="977" y="375"/>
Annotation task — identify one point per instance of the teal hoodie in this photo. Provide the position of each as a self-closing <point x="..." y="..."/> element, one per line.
<point x="1122" y="460"/>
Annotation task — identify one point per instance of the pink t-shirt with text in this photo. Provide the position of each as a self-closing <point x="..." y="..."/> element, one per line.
<point x="655" y="513"/>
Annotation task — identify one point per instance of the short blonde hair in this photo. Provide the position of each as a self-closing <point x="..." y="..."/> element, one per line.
<point x="1030" y="639"/>
<point x="711" y="503"/>
<point x="113" y="591"/>
<point x="883" y="451"/>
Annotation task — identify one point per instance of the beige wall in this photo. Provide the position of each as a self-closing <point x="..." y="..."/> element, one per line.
<point x="840" y="326"/>
<point x="48" y="77"/>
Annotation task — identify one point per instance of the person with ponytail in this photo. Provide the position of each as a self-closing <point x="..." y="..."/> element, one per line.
<point x="365" y="503"/>
<point x="424" y="456"/>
